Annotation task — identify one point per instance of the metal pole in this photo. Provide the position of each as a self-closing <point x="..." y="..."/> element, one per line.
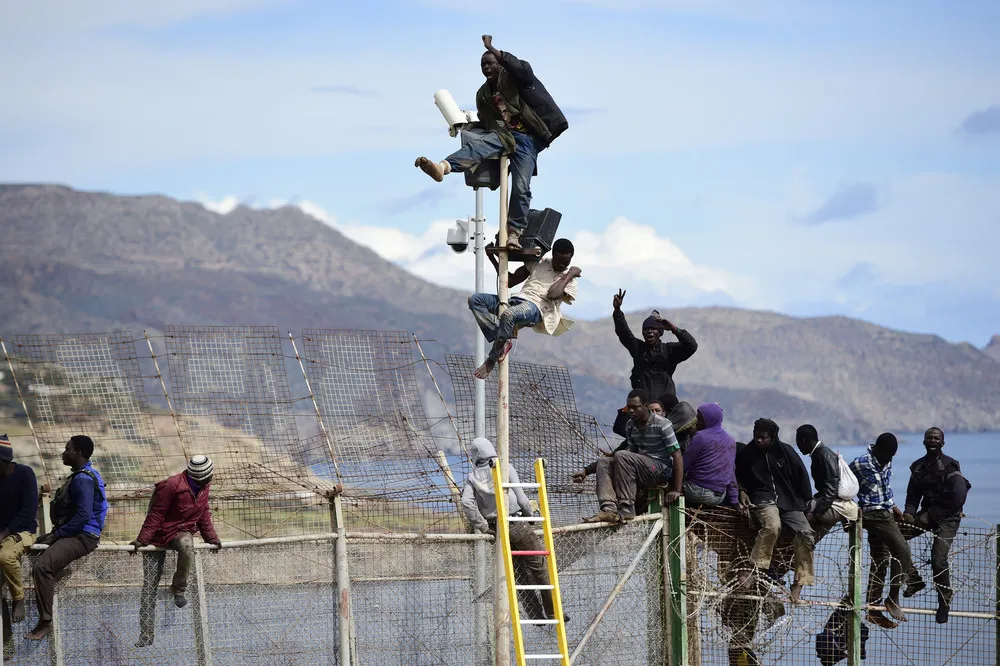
<point x="479" y="245"/>
<point x="501" y="612"/>
<point x="202" y="631"/>
<point x="854" y="591"/>
<point x="997" y="622"/>
<point x="345" y="619"/>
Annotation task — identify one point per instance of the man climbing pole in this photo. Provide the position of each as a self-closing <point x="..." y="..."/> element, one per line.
<point x="547" y="284"/>
<point x="520" y="118"/>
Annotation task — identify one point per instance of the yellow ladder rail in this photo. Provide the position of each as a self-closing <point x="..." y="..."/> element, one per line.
<point x="501" y="490"/>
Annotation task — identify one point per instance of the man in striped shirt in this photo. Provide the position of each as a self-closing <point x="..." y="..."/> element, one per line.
<point x="651" y="458"/>
<point x="885" y="540"/>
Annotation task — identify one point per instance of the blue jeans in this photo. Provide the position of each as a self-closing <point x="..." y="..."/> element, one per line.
<point x="520" y="314"/>
<point x="522" y="165"/>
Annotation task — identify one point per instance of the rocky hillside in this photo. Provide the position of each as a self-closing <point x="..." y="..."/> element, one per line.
<point x="993" y="348"/>
<point x="79" y="261"/>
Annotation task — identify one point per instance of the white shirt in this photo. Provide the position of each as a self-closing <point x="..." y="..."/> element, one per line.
<point x="536" y="288"/>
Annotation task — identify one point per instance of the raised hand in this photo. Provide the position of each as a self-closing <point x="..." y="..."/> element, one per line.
<point x="617" y="300"/>
<point x="488" y="41"/>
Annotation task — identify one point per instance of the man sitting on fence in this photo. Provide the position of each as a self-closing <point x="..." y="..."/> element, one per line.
<point x="77" y="510"/>
<point x="777" y="486"/>
<point x="547" y="284"/>
<point x="651" y="458"/>
<point x="480" y="504"/>
<point x="827" y="507"/>
<point x="18" y="507"/>
<point x="939" y="490"/>
<point x="710" y="461"/>
<point x="888" y="547"/>
<point x="178" y="508"/>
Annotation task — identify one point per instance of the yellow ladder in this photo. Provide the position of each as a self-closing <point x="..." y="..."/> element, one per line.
<point x="503" y="534"/>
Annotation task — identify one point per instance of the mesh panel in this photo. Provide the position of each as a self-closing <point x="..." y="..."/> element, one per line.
<point x="367" y="393"/>
<point x="89" y="385"/>
<point x="232" y="400"/>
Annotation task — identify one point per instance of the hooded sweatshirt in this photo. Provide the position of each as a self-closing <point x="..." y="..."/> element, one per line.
<point x="775" y="475"/>
<point x="478" y="499"/>
<point x="710" y="459"/>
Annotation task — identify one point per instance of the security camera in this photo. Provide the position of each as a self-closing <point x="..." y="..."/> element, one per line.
<point x="454" y="116"/>
<point x="458" y="236"/>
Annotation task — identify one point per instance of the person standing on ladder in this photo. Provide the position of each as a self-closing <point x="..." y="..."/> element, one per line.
<point x="521" y="120"/>
<point x="480" y="505"/>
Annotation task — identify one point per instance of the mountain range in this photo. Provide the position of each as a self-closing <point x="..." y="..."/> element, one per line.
<point x="85" y="261"/>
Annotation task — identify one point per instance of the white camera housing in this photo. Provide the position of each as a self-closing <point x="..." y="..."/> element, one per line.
<point x="454" y="116"/>
<point x="458" y="237"/>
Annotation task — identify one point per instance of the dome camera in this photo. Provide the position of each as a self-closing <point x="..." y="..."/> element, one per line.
<point x="458" y="237"/>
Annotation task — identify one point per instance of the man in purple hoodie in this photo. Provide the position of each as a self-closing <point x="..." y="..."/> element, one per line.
<point x="710" y="462"/>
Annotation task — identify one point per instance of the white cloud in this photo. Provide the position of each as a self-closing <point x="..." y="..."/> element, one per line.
<point x="625" y="254"/>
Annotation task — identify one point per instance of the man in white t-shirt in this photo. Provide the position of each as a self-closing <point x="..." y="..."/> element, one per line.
<point x="547" y="284"/>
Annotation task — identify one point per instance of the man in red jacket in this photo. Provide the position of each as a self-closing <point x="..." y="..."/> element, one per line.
<point x="179" y="507"/>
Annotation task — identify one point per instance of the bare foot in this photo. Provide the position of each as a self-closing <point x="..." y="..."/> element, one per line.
<point x="17" y="613"/>
<point x="796" y="593"/>
<point x="431" y="168"/>
<point x="895" y="611"/>
<point x="483" y="371"/>
<point x="41" y="630"/>
<point x="880" y="620"/>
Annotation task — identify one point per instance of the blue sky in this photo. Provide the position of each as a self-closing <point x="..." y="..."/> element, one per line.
<point x="811" y="158"/>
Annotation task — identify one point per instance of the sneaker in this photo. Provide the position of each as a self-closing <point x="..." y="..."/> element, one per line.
<point x="180" y="600"/>
<point x="603" y="516"/>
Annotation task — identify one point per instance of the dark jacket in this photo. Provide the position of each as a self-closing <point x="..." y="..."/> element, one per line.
<point x="826" y="475"/>
<point x="775" y="476"/>
<point x="938" y="487"/>
<point x="175" y="508"/>
<point x="534" y="94"/>
<point x="653" y="367"/>
<point x="19" y="500"/>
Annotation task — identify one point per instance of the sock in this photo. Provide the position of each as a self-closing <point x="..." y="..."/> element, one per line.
<point x="445" y="167"/>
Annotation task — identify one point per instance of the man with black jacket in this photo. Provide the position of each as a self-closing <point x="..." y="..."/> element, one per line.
<point x="939" y="489"/>
<point x="653" y="361"/>
<point x="777" y="489"/>
<point x="521" y="120"/>
<point x="826" y="509"/>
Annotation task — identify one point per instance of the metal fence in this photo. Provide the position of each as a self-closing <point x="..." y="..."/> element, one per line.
<point x="344" y="419"/>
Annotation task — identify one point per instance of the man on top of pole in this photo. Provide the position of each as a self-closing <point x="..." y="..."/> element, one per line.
<point x="520" y="118"/>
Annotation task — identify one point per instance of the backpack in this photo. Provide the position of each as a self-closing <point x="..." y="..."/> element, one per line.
<point x="848" y="487"/>
<point x="63" y="508"/>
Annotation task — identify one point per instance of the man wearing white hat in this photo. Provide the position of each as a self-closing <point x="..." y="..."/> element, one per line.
<point x="178" y="508"/>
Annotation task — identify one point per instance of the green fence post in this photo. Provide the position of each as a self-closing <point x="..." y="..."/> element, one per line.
<point x="854" y="591"/>
<point x="996" y="620"/>
<point x="678" y="585"/>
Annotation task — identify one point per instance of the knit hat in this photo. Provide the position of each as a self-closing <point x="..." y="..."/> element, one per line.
<point x="652" y="322"/>
<point x="200" y="467"/>
<point x="6" y="450"/>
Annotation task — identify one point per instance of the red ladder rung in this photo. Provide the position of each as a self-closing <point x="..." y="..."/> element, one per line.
<point x="529" y="552"/>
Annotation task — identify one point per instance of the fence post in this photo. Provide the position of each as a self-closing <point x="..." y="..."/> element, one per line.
<point x="480" y="586"/>
<point x="345" y="615"/>
<point x="677" y="606"/>
<point x="202" y="635"/>
<point x="997" y="611"/>
<point x="854" y="591"/>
